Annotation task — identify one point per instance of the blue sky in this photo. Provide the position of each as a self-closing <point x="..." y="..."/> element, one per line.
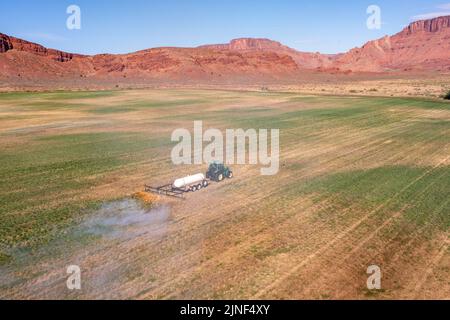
<point x="116" y="26"/>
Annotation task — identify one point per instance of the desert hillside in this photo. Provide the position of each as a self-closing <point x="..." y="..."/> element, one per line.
<point x="423" y="46"/>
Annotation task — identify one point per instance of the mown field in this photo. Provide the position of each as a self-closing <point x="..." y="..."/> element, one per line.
<point x="363" y="181"/>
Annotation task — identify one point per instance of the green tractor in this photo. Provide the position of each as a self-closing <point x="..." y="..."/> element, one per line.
<point x="217" y="172"/>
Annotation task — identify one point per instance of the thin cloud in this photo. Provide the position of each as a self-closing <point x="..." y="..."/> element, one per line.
<point x="45" y="36"/>
<point x="306" y="41"/>
<point x="431" y="15"/>
<point x="444" y="6"/>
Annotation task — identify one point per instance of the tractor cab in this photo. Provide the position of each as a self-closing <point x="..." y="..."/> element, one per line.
<point x="218" y="171"/>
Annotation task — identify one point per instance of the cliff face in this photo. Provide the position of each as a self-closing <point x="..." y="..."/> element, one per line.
<point x="247" y="44"/>
<point x="35" y="61"/>
<point x="304" y="60"/>
<point x="255" y="44"/>
<point x="423" y="45"/>
<point x="9" y="43"/>
<point x="433" y="25"/>
<point x="5" y="43"/>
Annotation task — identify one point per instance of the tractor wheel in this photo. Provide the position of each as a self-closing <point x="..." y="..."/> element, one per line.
<point x="199" y="186"/>
<point x="205" y="184"/>
<point x="220" y="177"/>
<point x="230" y="175"/>
<point x="194" y="188"/>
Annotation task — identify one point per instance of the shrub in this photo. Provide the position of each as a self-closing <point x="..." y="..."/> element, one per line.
<point x="447" y="96"/>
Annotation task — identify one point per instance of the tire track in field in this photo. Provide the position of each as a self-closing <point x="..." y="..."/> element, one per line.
<point x="387" y="222"/>
<point x="339" y="270"/>
<point x="247" y="243"/>
<point x="364" y="146"/>
<point x="395" y="155"/>
<point x="341" y="235"/>
<point x="330" y="152"/>
<point x="412" y="241"/>
<point x="432" y="265"/>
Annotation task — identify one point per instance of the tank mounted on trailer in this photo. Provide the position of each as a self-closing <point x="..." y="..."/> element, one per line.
<point x="216" y="172"/>
<point x="191" y="183"/>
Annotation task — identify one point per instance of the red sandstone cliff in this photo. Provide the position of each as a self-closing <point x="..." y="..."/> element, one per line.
<point x="423" y="45"/>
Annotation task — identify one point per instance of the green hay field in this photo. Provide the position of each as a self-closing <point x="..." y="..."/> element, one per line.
<point x="356" y="172"/>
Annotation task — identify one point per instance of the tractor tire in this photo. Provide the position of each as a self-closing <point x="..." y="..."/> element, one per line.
<point x="194" y="188"/>
<point x="205" y="184"/>
<point x="199" y="186"/>
<point x="230" y="175"/>
<point x="220" y="177"/>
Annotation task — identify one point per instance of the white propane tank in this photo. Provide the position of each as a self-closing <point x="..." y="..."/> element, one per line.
<point x="187" y="181"/>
